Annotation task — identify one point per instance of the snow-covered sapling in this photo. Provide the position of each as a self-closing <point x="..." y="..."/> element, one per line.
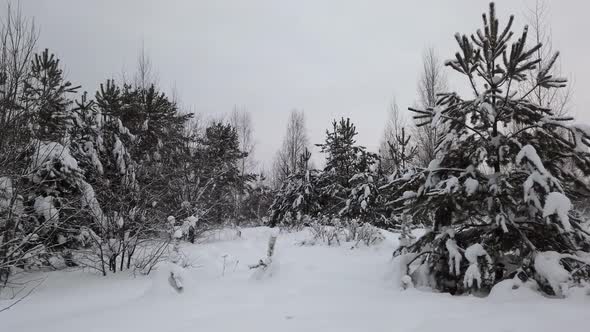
<point x="506" y="173"/>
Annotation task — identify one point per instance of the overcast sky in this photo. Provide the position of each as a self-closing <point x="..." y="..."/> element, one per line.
<point x="329" y="58"/>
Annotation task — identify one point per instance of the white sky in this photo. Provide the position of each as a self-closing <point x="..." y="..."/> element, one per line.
<point x="329" y="58"/>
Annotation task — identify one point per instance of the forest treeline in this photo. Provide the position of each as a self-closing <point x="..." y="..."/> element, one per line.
<point x="106" y="179"/>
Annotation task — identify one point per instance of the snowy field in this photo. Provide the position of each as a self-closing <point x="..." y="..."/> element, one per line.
<point x="309" y="288"/>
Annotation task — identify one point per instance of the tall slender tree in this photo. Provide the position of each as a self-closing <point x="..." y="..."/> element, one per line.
<point x="294" y="144"/>
<point x="558" y="100"/>
<point x="432" y="82"/>
<point x="393" y="127"/>
<point x="241" y="120"/>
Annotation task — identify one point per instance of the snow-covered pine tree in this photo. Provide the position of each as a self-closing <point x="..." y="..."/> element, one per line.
<point x="501" y="197"/>
<point x="298" y="196"/>
<point x="401" y="155"/>
<point x="155" y="119"/>
<point x="53" y="173"/>
<point x="341" y="151"/>
<point x="46" y="92"/>
<point x="219" y="154"/>
<point x="344" y="159"/>
<point x="258" y="199"/>
<point x="85" y="135"/>
<point x="51" y="190"/>
<point x="365" y="202"/>
<point x="160" y="145"/>
<point x="120" y="202"/>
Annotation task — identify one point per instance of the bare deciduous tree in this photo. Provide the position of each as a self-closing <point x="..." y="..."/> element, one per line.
<point x="241" y="120"/>
<point x="145" y="75"/>
<point x="555" y="99"/>
<point x="432" y="82"/>
<point x="294" y="144"/>
<point x="393" y="128"/>
<point x="18" y="39"/>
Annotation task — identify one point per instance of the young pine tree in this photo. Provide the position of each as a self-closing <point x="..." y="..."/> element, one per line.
<point x="46" y="94"/>
<point x="341" y="149"/>
<point x="220" y="155"/>
<point x="364" y="200"/>
<point x="501" y="197"/>
<point x="298" y="195"/>
<point x="345" y="160"/>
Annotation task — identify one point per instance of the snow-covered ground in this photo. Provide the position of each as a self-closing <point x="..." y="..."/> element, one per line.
<point x="309" y="288"/>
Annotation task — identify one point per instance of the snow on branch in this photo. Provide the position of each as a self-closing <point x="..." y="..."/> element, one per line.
<point x="558" y="204"/>
<point x="529" y="153"/>
<point x="473" y="273"/>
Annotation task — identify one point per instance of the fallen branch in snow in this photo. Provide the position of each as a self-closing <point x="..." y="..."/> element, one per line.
<point x="24" y="296"/>
<point x="261" y="263"/>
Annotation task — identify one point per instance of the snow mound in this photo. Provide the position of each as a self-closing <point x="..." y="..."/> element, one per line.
<point x="221" y="235"/>
<point x="162" y="277"/>
<point x="548" y="265"/>
<point x="399" y="270"/>
<point x="514" y="290"/>
<point x="581" y="294"/>
<point x="319" y="288"/>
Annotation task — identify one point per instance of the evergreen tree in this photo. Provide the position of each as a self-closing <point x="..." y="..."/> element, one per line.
<point x="220" y="153"/>
<point x="114" y="141"/>
<point x="501" y="198"/>
<point x="344" y="160"/>
<point x="52" y="190"/>
<point x="46" y="92"/>
<point x="400" y="153"/>
<point x="365" y="201"/>
<point x="151" y="134"/>
<point x="401" y="157"/>
<point x="257" y="200"/>
<point x="298" y="195"/>
<point x="341" y="151"/>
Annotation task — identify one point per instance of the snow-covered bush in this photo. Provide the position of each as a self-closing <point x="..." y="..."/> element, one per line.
<point x="368" y="235"/>
<point x="329" y="233"/>
<point x="336" y="231"/>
